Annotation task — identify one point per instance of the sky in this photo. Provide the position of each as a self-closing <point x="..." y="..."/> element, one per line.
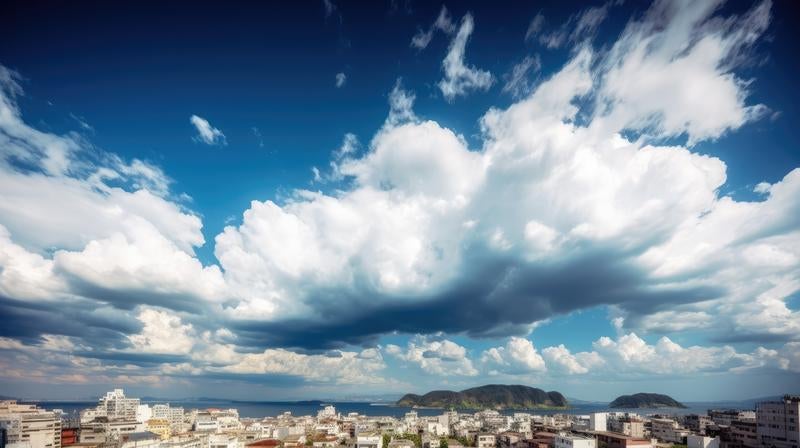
<point x="362" y="199"/>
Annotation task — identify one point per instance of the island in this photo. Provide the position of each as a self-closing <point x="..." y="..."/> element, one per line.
<point x="645" y="400"/>
<point x="492" y="396"/>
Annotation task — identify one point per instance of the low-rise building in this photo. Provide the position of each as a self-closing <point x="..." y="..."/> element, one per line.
<point x="486" y="440"/>
<point x="223" y="441"/>
<point x="294" y="441"/>
<point x="369" y="439"/>
<point x="565" y="440"/>
<point x="607" y="439"/>
<point x="697" y="423"/>
<point x="144" y="439"/>
<point x="159" y="426"/>
<point x="668" y="430"/>
<point x="629" y="426"/>
<point x="724" y="417"/>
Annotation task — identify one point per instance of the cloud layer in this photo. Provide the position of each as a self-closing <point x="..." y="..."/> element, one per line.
<point x="587" y="191"/>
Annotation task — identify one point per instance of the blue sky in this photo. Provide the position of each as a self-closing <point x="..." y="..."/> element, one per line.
<point x="329" y="199"/>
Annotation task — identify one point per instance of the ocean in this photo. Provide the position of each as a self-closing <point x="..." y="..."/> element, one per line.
<point x="257" y="409"/>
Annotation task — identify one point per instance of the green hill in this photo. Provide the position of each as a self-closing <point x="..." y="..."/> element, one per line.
<point x="645" y="400"/>
<point x="493" y="396"/>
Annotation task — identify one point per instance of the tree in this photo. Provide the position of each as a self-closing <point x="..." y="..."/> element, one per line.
<point x="386" y="439"/>
<point x="443" y="442"/>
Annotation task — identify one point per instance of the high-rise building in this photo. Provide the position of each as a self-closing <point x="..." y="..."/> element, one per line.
<point x="27" y="426"/>
<point x="778" y="422"/>
<point x="114" y="406"/>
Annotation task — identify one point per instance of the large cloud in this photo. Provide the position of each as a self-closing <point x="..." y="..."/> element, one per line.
<point x="560" y="209"/>
<point x="586" y="192"/>
<point x="83" y="231"/>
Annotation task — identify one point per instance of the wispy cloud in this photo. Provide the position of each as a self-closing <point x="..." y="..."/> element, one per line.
<point x="341" y="79"/>
<point x="460" y="78"/>
<point x="518" y="81"/>
<point x="258" y="136"/>
<point x="579" y="26"/>
<point x="536" y="26"/>
<point x="206" y="133"/>
<point x="442" y="23"/>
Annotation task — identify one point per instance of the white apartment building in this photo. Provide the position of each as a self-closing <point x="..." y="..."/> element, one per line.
<point x="777" y="421"/>
<point x="174" y="415"/>
<point x="668" y="430"/>
<point x="564" y="440"/>
<point x="116" y="406"/>
<point x="369" y="440"/>
<point x="28" y="426"/>
<point x="598" y="421"/>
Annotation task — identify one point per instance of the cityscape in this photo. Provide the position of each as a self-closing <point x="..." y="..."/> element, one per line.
<point x="125" y="422"/>
<point x="399" y="224"/>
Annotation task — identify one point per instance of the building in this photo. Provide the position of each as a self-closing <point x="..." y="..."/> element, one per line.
<point x="607" y="439"/>
<point x="697" y="423"/>
<point x="142" y="439"/>
<point x="564" y="440"/>
<point x="629" y="426"/>
<point x="325" y="441"/>
<point x="174" y="415"/>
<point x="159" y="426"/>
<point x="509" y="439"/>
<point x="30" y="426"/>
<point x="597" y="421"/>
<point x="777" y="422"/>
<point x="724" y="417"/>
<point x="543" y="439"/>
<point x="743" y="434"/>
<point x="69" y="436"/>
<point x="668" y="430"/>
<point x="695" y="441"/>
<point x="116" y="406"/>
<point x="369" y="439"/>
<point x="185" y="441"/>
<point x="294" y="441"/>
<point x="486" y="440"/>
<point x="223" y="441"/>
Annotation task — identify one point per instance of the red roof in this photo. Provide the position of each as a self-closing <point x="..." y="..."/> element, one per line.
<point x="265" y="442"/>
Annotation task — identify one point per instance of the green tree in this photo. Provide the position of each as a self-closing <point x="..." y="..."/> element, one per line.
<point x="443" y="442"/>
<point x="386" y="439"/>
